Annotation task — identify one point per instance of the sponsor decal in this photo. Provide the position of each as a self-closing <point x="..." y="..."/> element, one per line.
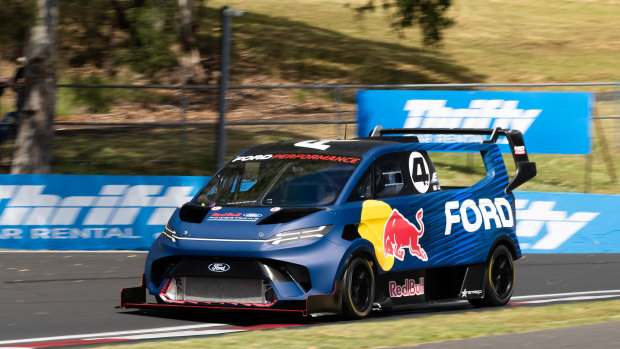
<point x="519" y="149"/>
<point x="235" y="216"/>
<point x="408" y="289"/>
<point x="420" y="175"/>
<point x="219" y="267"/>
<point x="400" y="234"/>
<point x="227" y="214"/>
<point x="68" y="233"/>
<point x="252" y="215"/>
<point x="320" y="145"/>
<point x="390" y="233"/>
<point x="27" y="213"/>
<point x="253" y="157"/>
<point x="466" y="293"/>
<point x="533" y="113"/>
<point x="435" y="182"/>
<point x="481" y="113"/>
<point x="275" y="209"/>
<point x="539" y="216"/>
<point x="216" y="208"/>
<point x="498" y="211"/>
<point x="333" y="158"/>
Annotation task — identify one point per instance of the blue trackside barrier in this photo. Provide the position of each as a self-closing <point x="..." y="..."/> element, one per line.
<point x="568" y="222"/>
<point x="68" y="212"/>
<point x="551" y="122"/>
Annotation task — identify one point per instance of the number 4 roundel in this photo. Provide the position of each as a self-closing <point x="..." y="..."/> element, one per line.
<point x="420" y="175"/>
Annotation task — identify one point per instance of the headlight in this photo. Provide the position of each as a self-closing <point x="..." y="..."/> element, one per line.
<point x="300" y="234"/>
<point x="170" y="234"/>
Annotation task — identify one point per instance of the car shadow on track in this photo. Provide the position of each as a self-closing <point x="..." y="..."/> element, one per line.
<point x="229" y="317"/>
<point x="255" y="317"/>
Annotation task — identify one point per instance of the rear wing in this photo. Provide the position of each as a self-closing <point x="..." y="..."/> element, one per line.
<point x="525" y="169"/>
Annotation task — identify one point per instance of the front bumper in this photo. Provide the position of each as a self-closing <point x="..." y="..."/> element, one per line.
<point x="135" y="297"/>
<point x="302" y="277"/>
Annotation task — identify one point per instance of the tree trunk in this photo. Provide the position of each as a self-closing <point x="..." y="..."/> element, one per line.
<point x="191" y="68"/>
<point x="33" y="153"/>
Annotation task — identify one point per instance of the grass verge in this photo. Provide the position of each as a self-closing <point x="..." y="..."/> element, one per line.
<point x="404" y="330"/>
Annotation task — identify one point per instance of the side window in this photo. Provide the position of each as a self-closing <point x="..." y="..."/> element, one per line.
<point x="363" y="189"/>
<point x="458" y="169"/>
<point x="389" y="177"/>
<point x="397" y="174"/>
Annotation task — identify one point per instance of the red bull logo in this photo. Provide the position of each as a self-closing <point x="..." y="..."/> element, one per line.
<point x="391" y="233"/>
<point x="400" y="234"/>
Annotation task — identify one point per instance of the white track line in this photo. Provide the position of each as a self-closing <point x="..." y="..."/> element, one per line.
<point x="109" y="334"/>
<point x="565" y="294"/>
<point x="170" y="334"/>
<point x="582" y="298"/>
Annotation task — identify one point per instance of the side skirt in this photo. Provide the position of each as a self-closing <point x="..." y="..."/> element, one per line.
<point x="430" y="285"/>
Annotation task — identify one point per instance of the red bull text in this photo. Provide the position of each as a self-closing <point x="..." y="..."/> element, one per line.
<point x="410" y="288"/>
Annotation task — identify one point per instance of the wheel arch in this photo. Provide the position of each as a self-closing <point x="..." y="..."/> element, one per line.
<point x="506" y="241"/>
<point x="361" y="251"/>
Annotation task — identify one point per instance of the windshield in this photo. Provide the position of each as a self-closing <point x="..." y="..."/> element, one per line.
<point x="273" y="182"/>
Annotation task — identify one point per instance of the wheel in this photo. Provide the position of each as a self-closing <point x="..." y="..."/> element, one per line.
<point x="499" y="280"/>
<point x="358" y="289"/>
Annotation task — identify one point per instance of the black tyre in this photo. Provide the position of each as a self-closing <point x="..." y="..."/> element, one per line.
<point x="358" y="289"/>
<point x="499" y="280"/>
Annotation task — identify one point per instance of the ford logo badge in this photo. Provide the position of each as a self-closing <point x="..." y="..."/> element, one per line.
<point x="219" y="267"/>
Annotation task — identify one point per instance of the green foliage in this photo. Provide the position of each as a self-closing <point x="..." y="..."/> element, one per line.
<point x="16" y="17"/>
<point x="86" y="31"/>
<point x="65" y="104"/>
<point x="96" y="100"/>
<point x="108" y="33"/>
<point x="429" y="15"/>
<point x="301" y="95"/>
<point x="152" y="39"/>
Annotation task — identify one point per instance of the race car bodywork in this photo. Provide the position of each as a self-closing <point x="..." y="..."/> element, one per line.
<point x="341" y="226"/>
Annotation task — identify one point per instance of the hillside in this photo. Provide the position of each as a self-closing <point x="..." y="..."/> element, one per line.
<point x="492" y="41"/>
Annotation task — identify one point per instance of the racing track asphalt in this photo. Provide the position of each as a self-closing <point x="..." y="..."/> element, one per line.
<point x="44" y="294"/>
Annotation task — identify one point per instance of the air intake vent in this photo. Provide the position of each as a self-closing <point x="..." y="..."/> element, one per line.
<point x="288" y="215"/>
<point x="193" y="213"/>
<point x="350" y="233"/>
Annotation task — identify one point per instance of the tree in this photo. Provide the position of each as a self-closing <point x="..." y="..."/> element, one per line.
<point x="33" y="153"/>
<point x="429" y="15"/>
<point x="189" y="60"/>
